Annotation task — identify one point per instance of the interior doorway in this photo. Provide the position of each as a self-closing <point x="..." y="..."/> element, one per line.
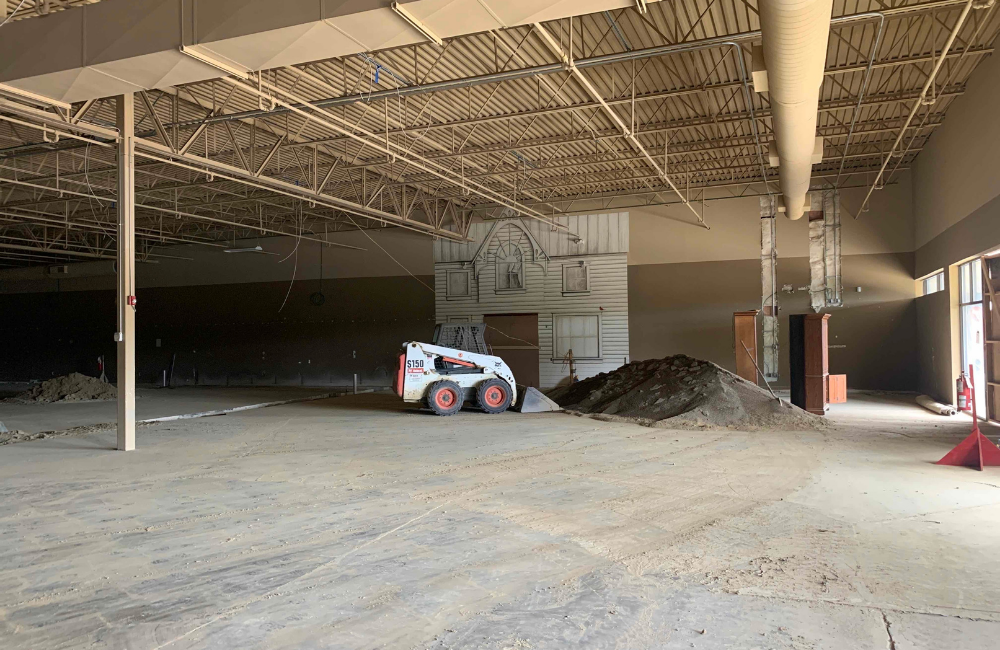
<point x="970" y="298"/>
<point x="514" y="338"/>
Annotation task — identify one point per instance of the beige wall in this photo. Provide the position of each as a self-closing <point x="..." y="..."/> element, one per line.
<point x="666" y="234"/>
<point x="958" y="170"/>
<point x="210" y="265"/>
<point x="688" y="308"/>
<point x="956" y="201"/>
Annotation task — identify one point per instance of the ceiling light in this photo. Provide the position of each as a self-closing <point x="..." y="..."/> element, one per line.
<point x="255" y="249"/>
<point x="415" y="23"/>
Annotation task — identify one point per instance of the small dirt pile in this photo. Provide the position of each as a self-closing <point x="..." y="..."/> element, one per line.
<point x="73" y="387"/>
<point x="679" y="392"/>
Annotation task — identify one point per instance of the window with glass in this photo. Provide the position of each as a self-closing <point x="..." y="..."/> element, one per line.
<point x="934" y="283"/>
<point x="576" y="278"/>
<point x="579" y="333"/>
<point x="970" y="297"/>
<point x="459" y="284"/>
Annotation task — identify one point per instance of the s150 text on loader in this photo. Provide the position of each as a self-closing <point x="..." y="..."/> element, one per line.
<point x="457" y="369"/>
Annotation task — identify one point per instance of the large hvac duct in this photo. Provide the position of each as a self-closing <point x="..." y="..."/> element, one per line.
<point x="794" y="34"/>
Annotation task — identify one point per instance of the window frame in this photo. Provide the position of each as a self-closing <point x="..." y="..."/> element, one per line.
<point x="576" y="265"/>
<point x="600" y="337"/>
<point x="523" y="274"/>
<point x="938" y="280"/>
<point x="447" y="284"/>
<point x="970" y="295"/>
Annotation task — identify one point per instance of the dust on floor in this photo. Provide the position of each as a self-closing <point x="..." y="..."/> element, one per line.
<point x="361" y="522"/>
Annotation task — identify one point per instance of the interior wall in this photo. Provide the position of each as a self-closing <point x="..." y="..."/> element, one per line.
<point x="685" y="282"/>
<point x="687" y="308"/>
<point x="935" y="332"/>
<point x="956" y="200"/>
<point x="389" y="252"/>
<point x="231" y="318"/>
<point x="220" y="311"/>
<point x="667" y="235"/>
<point x="958" y="170"/>
<point x="232" y="334"/>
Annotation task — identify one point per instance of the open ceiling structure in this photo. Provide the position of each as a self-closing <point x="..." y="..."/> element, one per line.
<point x="645" y="105"/>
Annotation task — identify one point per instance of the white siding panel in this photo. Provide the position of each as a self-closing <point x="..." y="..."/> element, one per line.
<point x="604" y="251"/>
<point x="602" y="234"/>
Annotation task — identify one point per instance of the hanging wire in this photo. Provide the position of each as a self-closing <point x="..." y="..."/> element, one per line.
<point x="16" y="9"/>
<point x="295" y="268"/>
<point x="400" y="264"/>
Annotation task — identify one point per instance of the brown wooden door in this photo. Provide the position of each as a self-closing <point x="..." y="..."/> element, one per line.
<point x="514" y="338"/>
<point x="745" y="334"/>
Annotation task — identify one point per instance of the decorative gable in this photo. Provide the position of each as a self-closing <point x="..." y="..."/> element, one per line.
<point x="509" y="246"/>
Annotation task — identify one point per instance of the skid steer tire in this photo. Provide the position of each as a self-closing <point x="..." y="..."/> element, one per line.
<point x="445" y="397"/>
<point x="494" y="395"/>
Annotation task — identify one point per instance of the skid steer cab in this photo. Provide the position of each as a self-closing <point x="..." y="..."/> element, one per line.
<point x="453" y="371"/>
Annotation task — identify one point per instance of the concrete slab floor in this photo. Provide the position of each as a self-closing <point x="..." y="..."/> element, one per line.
<point x="151" y="403"/>
<point x="359" y="522"/>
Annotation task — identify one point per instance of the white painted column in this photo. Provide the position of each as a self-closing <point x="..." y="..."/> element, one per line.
<point x="125" y="336"/>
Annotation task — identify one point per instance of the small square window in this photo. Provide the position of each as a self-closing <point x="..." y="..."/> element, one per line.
<point x="459" y="284"/>
<point x="576" y="278"/>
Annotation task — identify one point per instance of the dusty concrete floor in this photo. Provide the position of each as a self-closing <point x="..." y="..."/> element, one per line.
<point x="359" y="523"/>
<point x="151" y="403"/>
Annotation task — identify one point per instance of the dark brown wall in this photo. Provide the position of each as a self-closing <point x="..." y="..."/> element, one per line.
<point x="935" y="345"/>
<point x="975" y="234"/>
<point x="687" y="308"/>
<point x="937" y="313"/>
<point x="223" y="334"/>
<point x="235" y="334"/>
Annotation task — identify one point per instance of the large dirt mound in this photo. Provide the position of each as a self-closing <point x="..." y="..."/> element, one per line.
<point x="73" y="387"/>
<point x="682" y="392"/>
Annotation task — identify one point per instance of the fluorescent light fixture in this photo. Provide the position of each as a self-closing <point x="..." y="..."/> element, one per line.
<point x="415" y="23"/>
<point x="34" y="98"/>
<point x="640" y="6"/>
<point x="255" y="249"/>
<point x="197" y="54"/>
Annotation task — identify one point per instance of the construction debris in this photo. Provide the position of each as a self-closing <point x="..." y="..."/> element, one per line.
<point x="16" y="435"/>
<point x="680" y="392"/>
<point x="74" y="387"/>
<point x="936" y="407"/>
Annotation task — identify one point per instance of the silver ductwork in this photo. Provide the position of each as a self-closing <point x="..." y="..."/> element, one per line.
<point x="794" y="35"/>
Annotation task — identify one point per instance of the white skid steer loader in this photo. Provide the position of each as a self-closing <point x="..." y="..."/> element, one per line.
<point x="457" y="368"/>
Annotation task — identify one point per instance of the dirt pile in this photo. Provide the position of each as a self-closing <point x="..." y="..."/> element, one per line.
<point x="685" y="393"/>
<point x="73" y="387"/>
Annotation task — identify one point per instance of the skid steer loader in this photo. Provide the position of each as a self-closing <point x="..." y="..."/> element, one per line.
<point x="457" y="368"/>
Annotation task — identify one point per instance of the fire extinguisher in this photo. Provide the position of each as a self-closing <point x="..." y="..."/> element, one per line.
<point x="964" y="393"/>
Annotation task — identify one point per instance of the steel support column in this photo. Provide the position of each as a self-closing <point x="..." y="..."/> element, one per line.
<point x="125" y="336"/>
<point x="769" y="286"/>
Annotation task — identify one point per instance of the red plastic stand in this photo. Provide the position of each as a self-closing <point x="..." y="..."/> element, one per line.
<point x="976" y="451"/>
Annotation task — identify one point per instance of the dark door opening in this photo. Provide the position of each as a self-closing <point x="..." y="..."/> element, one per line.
<point x="514" y="338"/>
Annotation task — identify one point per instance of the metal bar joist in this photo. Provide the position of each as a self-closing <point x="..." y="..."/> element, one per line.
<point x="125" y="336"/>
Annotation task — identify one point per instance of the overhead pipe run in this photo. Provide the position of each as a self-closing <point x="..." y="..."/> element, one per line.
<point x="627" y="133"/>
<point x="922" y="99"/>
<point x="794" y="35"/>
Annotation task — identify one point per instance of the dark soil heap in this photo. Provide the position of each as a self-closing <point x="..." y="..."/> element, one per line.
<point x="73" y="387"/>
<point x="683" y="393"/>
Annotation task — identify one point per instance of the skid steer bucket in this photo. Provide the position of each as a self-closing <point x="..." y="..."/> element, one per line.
<point x="532" y="400"/>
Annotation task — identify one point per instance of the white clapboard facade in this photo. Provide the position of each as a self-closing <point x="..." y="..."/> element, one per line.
<point x="575" y="280"/>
